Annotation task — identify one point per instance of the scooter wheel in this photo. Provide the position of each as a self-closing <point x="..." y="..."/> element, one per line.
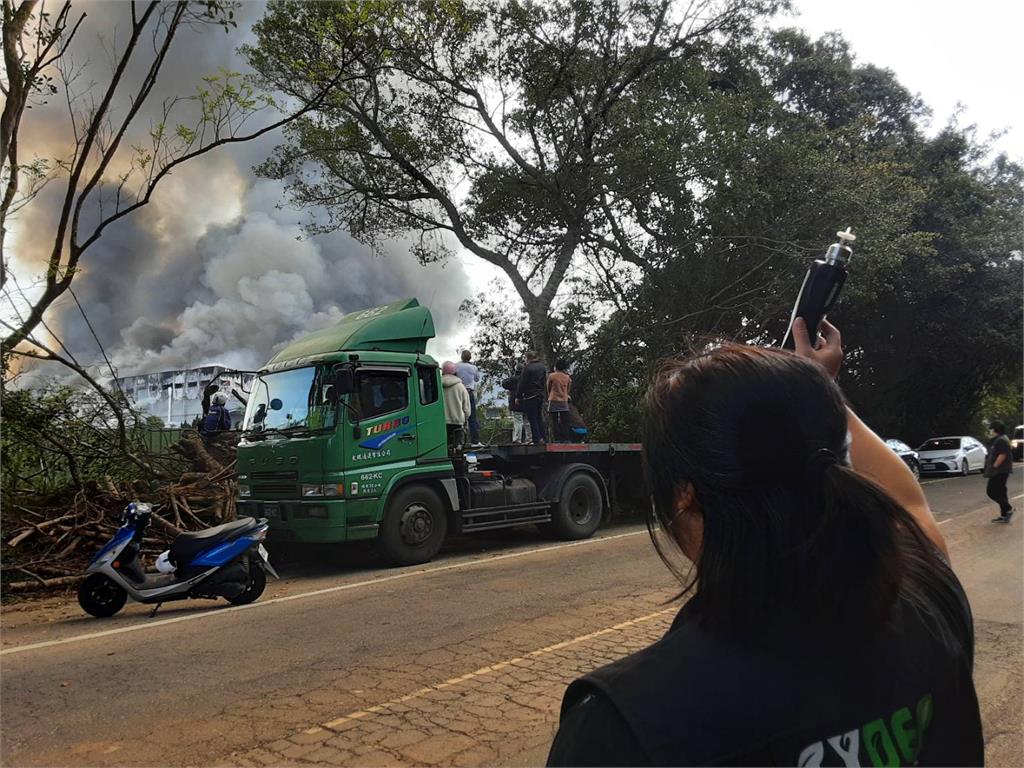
<point x="101" y="597"/>
<point x="257" y="583"/>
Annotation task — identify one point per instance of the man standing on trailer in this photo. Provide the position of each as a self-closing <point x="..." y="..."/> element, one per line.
<point x="532" y="391"/>
<point x="470" y="376"/>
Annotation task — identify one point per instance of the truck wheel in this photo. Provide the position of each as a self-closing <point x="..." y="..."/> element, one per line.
<point x="579" y="510"/>
<point x="414" y="526"/>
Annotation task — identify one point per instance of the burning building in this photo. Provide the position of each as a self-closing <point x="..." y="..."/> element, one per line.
<point x="176" y="397"/>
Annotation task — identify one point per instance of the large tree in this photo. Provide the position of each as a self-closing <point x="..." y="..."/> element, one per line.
<point x="519" y="131"/>
<point x="931" y="312"/>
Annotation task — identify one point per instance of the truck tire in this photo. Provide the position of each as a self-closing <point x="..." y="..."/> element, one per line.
<point x="579" y="509"/>
<point x="414" y="526"/>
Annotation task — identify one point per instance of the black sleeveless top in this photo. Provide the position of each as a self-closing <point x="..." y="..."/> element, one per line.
<point x="787" y="697"/>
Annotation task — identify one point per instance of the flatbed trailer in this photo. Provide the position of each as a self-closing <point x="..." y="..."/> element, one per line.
<point x="565" y="508"/>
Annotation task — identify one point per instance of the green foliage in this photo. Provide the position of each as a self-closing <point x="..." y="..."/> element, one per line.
<point x="802" y="142"/>
<point x="644" y="188"/>
<point x="534" y="134"/>
<point x="59" y="437"/>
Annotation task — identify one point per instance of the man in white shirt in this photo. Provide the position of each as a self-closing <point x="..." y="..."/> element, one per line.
<point x="470" y="376"/>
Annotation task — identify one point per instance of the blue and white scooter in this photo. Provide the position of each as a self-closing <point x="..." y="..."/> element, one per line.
<point x="227" y="561"/>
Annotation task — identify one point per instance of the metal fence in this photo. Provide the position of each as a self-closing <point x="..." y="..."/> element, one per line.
<point x="159" y="440"/>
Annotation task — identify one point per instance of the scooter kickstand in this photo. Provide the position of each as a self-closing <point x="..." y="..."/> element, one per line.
<point x="155" y="609"/>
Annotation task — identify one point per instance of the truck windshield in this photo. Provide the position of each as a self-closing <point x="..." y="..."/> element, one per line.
<point x="299" y="398"/>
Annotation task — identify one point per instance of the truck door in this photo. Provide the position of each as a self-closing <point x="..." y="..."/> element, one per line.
<point x="385" y="441"/>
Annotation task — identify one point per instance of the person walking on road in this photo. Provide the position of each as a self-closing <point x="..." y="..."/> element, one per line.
<point x="470" y="376"/>
<point x="532" y="390"/>
<point x="998" y="468"/>
<point x="559" y="383"/>
<point x="457" y="405"/>
<point x="520" y="429"/>
<point x="824" y="626"/>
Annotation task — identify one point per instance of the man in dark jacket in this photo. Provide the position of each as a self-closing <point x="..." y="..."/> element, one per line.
<point x="520" y="430"/>
<point x="532" y="390"/>
<point x="998" y="468"/>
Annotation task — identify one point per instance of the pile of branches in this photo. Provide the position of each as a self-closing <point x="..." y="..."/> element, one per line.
<point x="48" y="540"/>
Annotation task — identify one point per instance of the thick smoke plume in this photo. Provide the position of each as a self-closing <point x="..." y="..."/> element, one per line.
<point x="213" y="270"/>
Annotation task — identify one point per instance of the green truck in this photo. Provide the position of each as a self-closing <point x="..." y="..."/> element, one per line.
<point x="344" y="438"/>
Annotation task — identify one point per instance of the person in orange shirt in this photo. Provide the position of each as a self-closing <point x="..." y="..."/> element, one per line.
<point x="559" y="382"/>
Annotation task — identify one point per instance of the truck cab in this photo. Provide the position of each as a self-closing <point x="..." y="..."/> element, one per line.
<point x="344" y="438"/>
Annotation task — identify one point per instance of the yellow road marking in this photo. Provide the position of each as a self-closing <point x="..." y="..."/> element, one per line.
<point x="360" y="713"/>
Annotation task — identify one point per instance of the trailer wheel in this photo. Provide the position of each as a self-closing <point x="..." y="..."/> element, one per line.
<point x="579" y="509"/>
<point x="414" y="526"/>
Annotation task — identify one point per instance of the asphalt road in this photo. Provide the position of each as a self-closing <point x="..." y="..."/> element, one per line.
<point x="461" y="662"/>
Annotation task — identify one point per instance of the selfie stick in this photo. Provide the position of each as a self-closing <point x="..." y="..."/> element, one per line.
<point x="822" y="283"/>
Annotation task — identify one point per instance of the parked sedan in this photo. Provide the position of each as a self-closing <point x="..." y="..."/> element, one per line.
<point x="908" y="454"/>
<point x="1018" y="443"/>
<point x="952" y="454"/>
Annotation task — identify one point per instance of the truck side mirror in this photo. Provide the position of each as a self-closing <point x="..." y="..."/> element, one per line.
<point x="344" y="380"/>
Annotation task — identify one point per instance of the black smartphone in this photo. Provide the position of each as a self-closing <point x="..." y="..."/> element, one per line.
<point x="821" y="286"/>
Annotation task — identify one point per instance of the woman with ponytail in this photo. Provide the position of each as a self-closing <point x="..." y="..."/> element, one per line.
<point x="824" y="625"/>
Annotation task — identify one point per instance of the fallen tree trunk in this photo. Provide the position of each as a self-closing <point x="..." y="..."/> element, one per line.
<point x="27" y="586"/>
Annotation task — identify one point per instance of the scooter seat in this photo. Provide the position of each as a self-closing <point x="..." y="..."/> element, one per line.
<point x="187" y="545"/>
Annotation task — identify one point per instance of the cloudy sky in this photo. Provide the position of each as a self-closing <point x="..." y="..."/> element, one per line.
<point x="214" y="270"/>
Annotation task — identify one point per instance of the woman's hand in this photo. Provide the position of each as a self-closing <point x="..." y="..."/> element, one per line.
<point x="829" y="351"/>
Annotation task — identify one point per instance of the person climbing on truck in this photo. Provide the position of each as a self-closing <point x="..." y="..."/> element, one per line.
<point x="457" y="405"/>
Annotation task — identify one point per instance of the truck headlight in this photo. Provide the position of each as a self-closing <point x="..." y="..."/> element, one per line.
<point x="312" y="490"/>
<point x="244" y="491"/>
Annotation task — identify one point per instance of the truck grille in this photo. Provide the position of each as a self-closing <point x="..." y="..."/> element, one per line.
<point x="283" y="475"/>
<point x="278" y="489"/>
<point x="281" y="483"/>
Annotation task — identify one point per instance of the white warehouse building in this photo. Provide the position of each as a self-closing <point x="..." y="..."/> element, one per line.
<point x="176" y="397"/>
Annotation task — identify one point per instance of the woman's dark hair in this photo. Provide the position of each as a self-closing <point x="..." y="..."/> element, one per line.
<point x="561" y="364"/>
<point x="790" y="531"/>
<point x="998" y="427"/>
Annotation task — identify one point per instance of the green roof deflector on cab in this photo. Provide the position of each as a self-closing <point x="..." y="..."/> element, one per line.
<point x="402" y="326"/>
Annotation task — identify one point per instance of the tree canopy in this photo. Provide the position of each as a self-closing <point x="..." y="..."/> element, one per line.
<point x="650" y="174"/>
<point x="535" y="135"/>
<point x="809" y="141"/>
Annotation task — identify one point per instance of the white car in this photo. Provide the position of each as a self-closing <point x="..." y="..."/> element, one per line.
<point x="1018" y="443"/>
<point x="952" y="454"/>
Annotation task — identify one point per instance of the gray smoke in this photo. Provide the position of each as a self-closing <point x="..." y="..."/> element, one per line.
<point x="213" y="270"/>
